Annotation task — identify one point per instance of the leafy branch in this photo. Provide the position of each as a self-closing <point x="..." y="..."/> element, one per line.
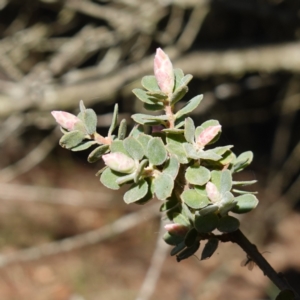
<point x="174" y="162"/>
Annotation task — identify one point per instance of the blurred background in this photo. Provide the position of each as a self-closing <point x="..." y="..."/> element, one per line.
<point x="63" y="236"/>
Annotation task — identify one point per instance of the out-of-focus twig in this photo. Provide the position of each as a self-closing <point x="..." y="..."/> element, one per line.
<point x="153" y="273"/>
<point x="61" y="196"/>
<point x="81" y="240"/>
<point x="31" y="159"/>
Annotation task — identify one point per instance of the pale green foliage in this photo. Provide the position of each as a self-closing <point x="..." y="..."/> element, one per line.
<point x="176" y="163"/>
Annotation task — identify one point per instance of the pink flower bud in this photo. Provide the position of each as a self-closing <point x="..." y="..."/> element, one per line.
<point x="163" y="71"/>
<point x="177" y="229"/>
<point x="208" y="134"/>
<point x="212" y="192"/>
<point x="65" y="119"/>
<point x="119" y="162"/>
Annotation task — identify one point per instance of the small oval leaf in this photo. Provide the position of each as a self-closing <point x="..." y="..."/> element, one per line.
<point x="71" y="139"/>
<point x="209" y="249"/>
<point x="197" y="175"/>
<point x="136" y="192"/>
<point x="156" y="151"/>
<point x="134" y="148"/>
<point x="163" y="186"/>
<point x="194" y="200"/>
<point x="206" y="223"/>
<point x="245" y="203"/>
<point x="228" y="224"/>
<point x="97" y="153"/>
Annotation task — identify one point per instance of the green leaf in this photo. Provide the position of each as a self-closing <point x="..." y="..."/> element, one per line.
<point x="136" y="192"/>
<point x="172" y="240"/>
<point x="149" y="119"/>
<point x="205" y="125"/>
<point x="225" y="181"/>
<point x="185" y="210"/>
<point x="118" y="146"/>
<point x="150" y="83"/>
<point x="114" y="121"/>
<point x="108" y="178"/>
<point x="83" y="146"/>
<point x="216" y="178"/>
<point x="136" y="130"/>
<point x="170" y="203"/>
<point x="172" y="166"/>
<point x="221" y="150"/>
<point x="159" y="95"/>
<point x="186" y="79"/>
<point x="244" y="183"/>
<point x="175" y="146"/>
<point x="227" y="203"/>
<point x="190" y="151"/>
<point x="97" y="153"/>
<point x="89" y="118"/>
<point x="81" y="106"/>
<point x="156" y="151"/>
<point x="126" y="179"/>
<point x="209" y="249"/>
<point x="153" y="107"/>
<point x="186" y="253"/>
<point x="122" y="130"/>
<point x="228" y="224"/>
<point x="245" y="203"/>
<point x="71" y="139"/>
<point x="197" y="175"/>
<point x="134" y="148"/>
<point x="149" y="196"/>
<point x="178" y="73"/>
<point x="194" y="199"/>
<point x="227" y="158"/>
<point x="191" y="237"/>
<point x="178" y="151"/>
<point x="206" y="223"/>
<point x="241" y="192"/>
<point x="144" y="139"/>
<point x="210" y="209"/>
<point x="140" y="169"/>
<point x="173" y="130"/>
<point x="177" y="249"/>
<point x="179" y="94"/>
<point x="190" y="106"/>
<point x="144" y="97"/>
<point x="242" y="161"/>
<point x="181" y="219"/>
<point x="209" y="155"/>
<point x="163" y="186"/>
<point x="189" y="130"/>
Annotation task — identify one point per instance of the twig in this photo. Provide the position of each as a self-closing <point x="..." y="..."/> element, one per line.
<point x="31" y="159"/>
<point x="239" y="238"/>
<point x="28" y="193"/>
<point x="153" y="273"/>
<point x="81" y="240"/>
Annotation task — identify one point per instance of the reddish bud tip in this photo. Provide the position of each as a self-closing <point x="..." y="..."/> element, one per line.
<point x="208" y="134"/>
<point x="163" y="71"/>
<point x="65" y="119"/>
<point x="212" y="192"/>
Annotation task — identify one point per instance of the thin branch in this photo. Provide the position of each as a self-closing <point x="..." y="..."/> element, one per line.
<point x="82" y="240"/>
<point x="31" y="159"/>
<point x="61" y="196"/>
<point x="153" y="273"/>
<point x="239" y="238"/>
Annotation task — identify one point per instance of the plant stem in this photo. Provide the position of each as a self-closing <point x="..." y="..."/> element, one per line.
<point x="277" y="278"/>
